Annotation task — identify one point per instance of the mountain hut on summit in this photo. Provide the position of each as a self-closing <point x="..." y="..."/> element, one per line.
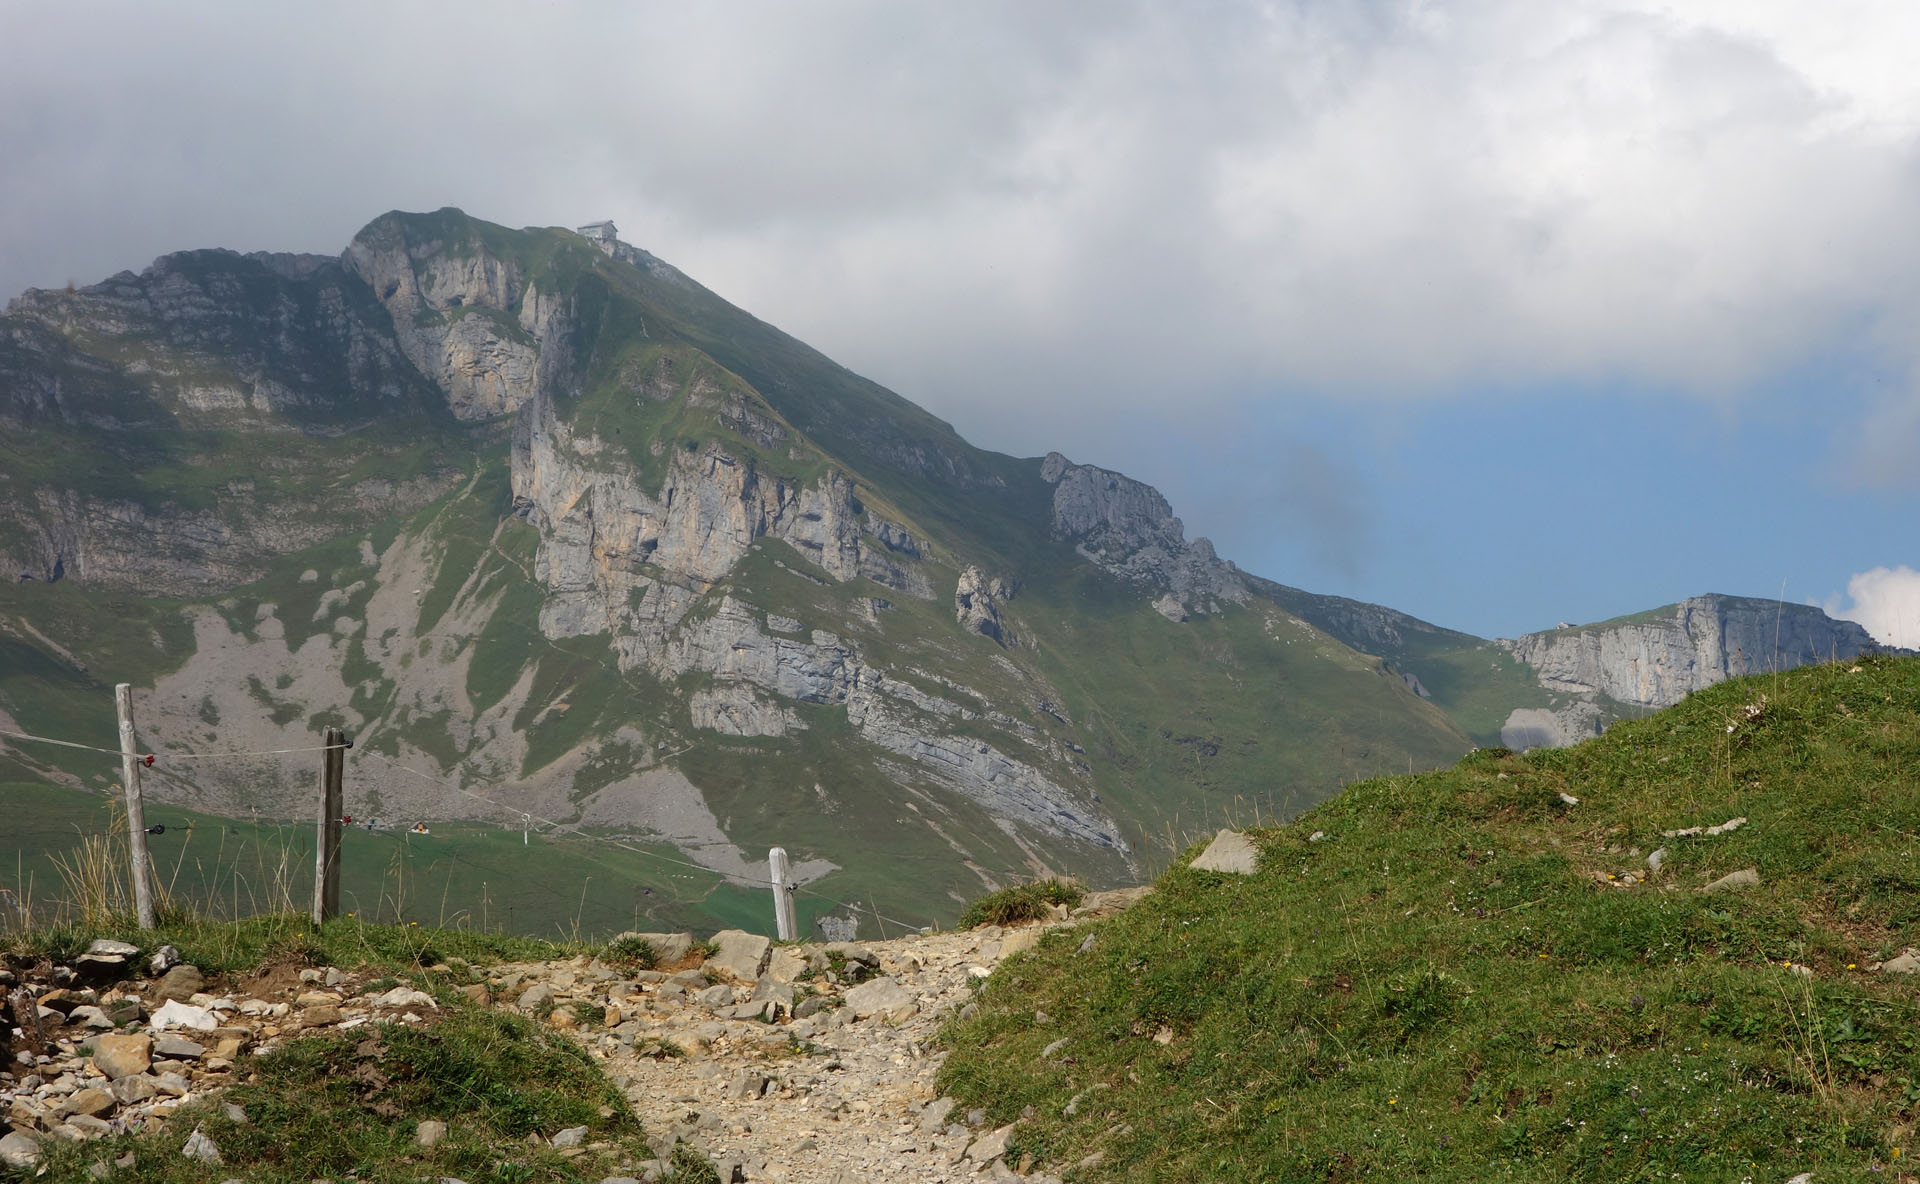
<point x="600" y="233"/>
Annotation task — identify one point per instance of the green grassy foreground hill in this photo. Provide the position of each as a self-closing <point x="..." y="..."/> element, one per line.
<point x="1475" y="974"/>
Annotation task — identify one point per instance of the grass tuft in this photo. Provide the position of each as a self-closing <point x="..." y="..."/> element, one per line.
<point x="1022" y="903"/>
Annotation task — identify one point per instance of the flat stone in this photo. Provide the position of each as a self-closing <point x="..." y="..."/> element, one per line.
<point x="175" y="1014"/>
<point x="88" y="1126"/>
<point x="746" y="1085"/>
<point x="177" y="1048"/>
<point x="429" y="1132"/>
<point x="573" y="1136"/>
<point x="122" y="1056"/>
<point x="320" y="1015"/>
<point x="786" y="964"/>
<point x="989" y="1146"/>
<point x="718" y="995"/>
<point x="139" y="1087"/>
<point x="1907" y="962"/>
<point x="87" y="1101"/>
<point x="884" y="997"/>
<point x="740" y="954"/>
<point x="1230" y="852"/>
<point x="535" y="997"/>
<point x="89" y="1016"/>
<point x="199" y="1147"/>
<point x="108" y="947"/>
<point x="1746" y="877"/>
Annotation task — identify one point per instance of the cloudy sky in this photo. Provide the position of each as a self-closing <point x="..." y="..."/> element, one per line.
<point x="1500" y="312"/>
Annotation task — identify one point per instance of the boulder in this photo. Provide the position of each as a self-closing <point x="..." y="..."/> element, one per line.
<point x="740" y="954"/>
<point x="19" y="1151"/>
<point x="179" y="984"/>
<point x="1230" y="852"/>
<point x="883" y="997"/>
<point x="122" y="1056"/>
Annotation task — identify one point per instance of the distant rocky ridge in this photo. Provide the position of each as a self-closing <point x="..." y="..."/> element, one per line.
<point x="606" y="545"/>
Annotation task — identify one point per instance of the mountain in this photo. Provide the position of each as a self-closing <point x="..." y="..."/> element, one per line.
<point x="555" y="531"/>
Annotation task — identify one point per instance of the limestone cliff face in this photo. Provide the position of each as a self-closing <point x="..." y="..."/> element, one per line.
<point x="1127" y="528"/>
<point x="1657" y="661"/>
<point x="204" y="357"/>
<point x="466" y="318"/>
<point x="617" y="557"/>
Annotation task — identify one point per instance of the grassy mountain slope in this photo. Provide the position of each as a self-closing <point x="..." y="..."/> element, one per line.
<point x="1471" y="974"/>
<point x="246" y="403"/>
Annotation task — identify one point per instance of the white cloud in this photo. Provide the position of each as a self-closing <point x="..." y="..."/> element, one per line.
<point x="1000" y="206"/>
<point x="1886" y="603"/>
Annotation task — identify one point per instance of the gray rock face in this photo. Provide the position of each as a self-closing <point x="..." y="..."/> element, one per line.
<point x="465" y="318"/>
<point x="1658" y="661"/>
<point x="1542" y="727"/>
<point x="977" y="601"/>
<point x="1126" y="527"/>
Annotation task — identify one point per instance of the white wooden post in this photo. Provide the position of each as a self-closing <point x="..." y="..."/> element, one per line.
<point x="136" y="809"/>
<point x="782" y="893"/>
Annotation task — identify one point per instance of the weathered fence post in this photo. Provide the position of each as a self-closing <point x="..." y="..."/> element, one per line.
<point x="326" y="854"/>
<point x="136" y="809"/>
<point x="782" y="893"/>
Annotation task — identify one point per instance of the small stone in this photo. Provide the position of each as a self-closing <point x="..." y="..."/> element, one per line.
<point x="935" y="1115"/>
<point x="811" y="1005"/>
<point x="91" y="1017"/>
<point x="164" y="959"/>
<point x="88" y="1126"/>
<point x="320" y="1015"/>
<point x="1657" y="857"/>
<point x="175" y="1014"/>
<point x="180" y="984"/>
<point x="746" y="1085"/>
<point x="137" y="1088"/>
<point x="573" y="1136"/>
<point x="1906" y="962"/>
<point x="535" y="997"/>
<point x="883" y="997"/>
<point x="333" y="977"/>
<point x="234" y="1113"/>
<point x="1746" y="877"/>
<point x="989" y="1146"/>
<point x="122" y="1056"/>
<point x="87" y="1101"/>
<point x="315" y="999"/>
<point x="478" y="994"/>
<point x="309" y="975"/>
<point x="429" y="1132"/>
<point x="199" y="1147"/>
<point x="177" y="1048"/>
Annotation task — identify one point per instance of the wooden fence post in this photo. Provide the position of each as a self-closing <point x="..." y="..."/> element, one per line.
<point x="782" y="893"/>
<point x="136" y="809"/>
<point x="326" y="849"/>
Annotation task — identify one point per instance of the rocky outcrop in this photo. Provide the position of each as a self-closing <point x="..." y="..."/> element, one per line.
<point x="1127" y="528"/>
<point x="618" y="558"/>
<point x="1659" y="658"/>
<point x="977" y="601"/>
<point x="1548" y="727"/>
<point x="467" y="318"/>
<point x="734" y="710"/>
